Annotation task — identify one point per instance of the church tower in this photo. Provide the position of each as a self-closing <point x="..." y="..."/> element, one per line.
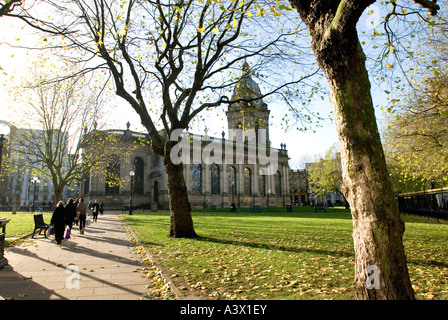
<point x="251" y="112"/>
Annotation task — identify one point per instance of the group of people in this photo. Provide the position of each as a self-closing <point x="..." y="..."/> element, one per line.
<point x="73" y="212"/>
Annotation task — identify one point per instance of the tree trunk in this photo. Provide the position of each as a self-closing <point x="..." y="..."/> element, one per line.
<point x="181" y="223"/>
<point x="380" y="262"/>
<point x="377" y="225"/>
<point x="57" y="193"/>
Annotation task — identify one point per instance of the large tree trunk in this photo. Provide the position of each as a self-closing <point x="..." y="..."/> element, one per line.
<point x="58" y="190"/>
<point x="377" y="225"/>
<point x="181" y="223"/>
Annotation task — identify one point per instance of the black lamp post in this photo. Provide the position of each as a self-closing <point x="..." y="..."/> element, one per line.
<point x="3" y="221"/>
<point x="34" y="181"/>
<point x="2" y="143"/>
<point x="132" y="173"/>
<point x="2" y="140"/>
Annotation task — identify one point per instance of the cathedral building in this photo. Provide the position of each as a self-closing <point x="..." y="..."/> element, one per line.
<point x="241" y="178"/>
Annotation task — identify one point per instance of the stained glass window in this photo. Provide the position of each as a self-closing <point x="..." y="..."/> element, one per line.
<point x="139" y="176"/>
<point x="197" y="179"/>
<point x="247" y="176"/>
<point x="278" y="184"/>
<point x="231" y="174"/>
<point x="113" y="175"/>
<point x="262" y="185"/>
<point x="87" y="184"/>
<point x="215" y="179"/>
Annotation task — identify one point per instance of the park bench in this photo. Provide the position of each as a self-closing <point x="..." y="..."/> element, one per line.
<point x="40" y="224"/>
<point x="125" y="209"/>
<point x="320" y="208"/>
<point x="255" y="208"/>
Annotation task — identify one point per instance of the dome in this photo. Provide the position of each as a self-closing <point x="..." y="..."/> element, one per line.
<point x="247" y="88"/>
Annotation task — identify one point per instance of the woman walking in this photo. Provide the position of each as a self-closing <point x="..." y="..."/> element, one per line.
<point x="70" y="209"/>
<point x="76" y="215"/>
<point x="58" y="220"/>
<point x="82" y="215"/>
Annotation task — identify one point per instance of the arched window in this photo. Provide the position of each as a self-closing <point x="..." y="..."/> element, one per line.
<point x="262" y="185"/>
<point x="278" y="184"/>
<point x="215" y="179"/>
<point x="113" y="175"/>
<point x="247" y="176"/>
<point x="197" y="178"/>
<point x="231" y="174"/>
<point x="155" y="181"/>
<point x="156" y="191"/>
<point x="87" y="184"/>
<point x="139" y="175"/>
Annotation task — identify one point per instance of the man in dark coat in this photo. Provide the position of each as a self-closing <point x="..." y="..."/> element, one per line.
<point x="58" y="220"/>
<point x="70" y="210"/>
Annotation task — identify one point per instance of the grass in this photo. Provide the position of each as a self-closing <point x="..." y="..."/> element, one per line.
<point x="279" y="255"/>
<point x="21" y="223"/>
<point x="274" y="254"/>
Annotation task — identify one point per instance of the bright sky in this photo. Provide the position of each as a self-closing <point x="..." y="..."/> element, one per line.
<point x="13" y="63"/>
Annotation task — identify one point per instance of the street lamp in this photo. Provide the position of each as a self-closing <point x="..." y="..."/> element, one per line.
<point x="34" y="181"/>
<point x="132" y="174"/>
<point x="2" y="139"/>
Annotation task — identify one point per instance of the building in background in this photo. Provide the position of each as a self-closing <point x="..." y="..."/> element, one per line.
<point x="298" y="187"/>
<point x="23" y="186"/>
<point x="216" y="184"/>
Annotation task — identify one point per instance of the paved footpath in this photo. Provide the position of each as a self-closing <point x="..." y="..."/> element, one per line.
<point x="99" y="265"/>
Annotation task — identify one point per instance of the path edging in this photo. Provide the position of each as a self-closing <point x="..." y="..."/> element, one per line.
<point x="177" y="293"/>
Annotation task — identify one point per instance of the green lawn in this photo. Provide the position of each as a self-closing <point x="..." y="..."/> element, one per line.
<point x="275" y="255"/>
<point x="279" y="255"/>
<point x="21" y="223"/>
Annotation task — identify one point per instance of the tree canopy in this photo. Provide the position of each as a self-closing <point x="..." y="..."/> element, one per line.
<point x="416" y="132"/>
<point x="56" y="120"/>
<point x="325" y="174"/>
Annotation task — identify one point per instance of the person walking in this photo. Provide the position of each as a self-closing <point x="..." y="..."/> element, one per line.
<point x="82" y="215"/>
<point x="95" y="210"/>
<point x="101" y="207"/>
<point x="70" y="210"/>
<point x="58" y="220"/>
<point x="76" y="206"/>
